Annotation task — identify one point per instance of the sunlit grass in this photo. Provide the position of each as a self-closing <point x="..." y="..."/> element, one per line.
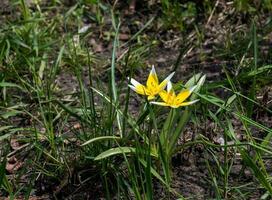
<point x="87" y="131"/>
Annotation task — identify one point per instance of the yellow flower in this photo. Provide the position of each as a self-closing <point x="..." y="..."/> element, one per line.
<point x="172" y="100"/>
<point x="153" y="87"/>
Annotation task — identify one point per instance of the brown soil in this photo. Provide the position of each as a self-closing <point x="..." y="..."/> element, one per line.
<point x="190" y="174"/>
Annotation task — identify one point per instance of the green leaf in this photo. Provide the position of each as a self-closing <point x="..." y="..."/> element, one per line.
<point x="260" y="70"/>
<point x="4" y="183"/>
<point x="100" y="138"/>
<point x="199" y="81"/>
<point x="2" y="137"/>
<point x="259" y="174"/>
<point x="5" y="128"/>
<point x="113" y="82"/>
<point x="193" y="80"/>
<point x="115" y="151"/>
<point x="129" y="119"/>
<point x="6" y="84"/>
<point x="153" y="171"/>
<point x="196" y="80"/>
<point x="11" y="113"/>
<point x="118" y="150"/>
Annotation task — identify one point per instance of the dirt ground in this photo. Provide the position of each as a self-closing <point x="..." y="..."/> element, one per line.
<point x="190" y="175"/>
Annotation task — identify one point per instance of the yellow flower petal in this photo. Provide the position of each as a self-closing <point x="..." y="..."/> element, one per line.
<point x="140" y="89"/>
<point x="159" y="103"/>
<point x="171" y="92"/>
<point x="152" y="87"/>
<point x="150" y="97"/>
<point x="166" y="81"/>
<point x="170" y="99"/>
<point x="187" y="103"/>
<point x="152" y="82"/>
<point x="183" y="95"/>
<point x="164" y="95"/>
<point x="134" y="82"/>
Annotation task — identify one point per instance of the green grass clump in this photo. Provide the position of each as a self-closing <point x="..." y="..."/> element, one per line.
<point x="69" y="123"/>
